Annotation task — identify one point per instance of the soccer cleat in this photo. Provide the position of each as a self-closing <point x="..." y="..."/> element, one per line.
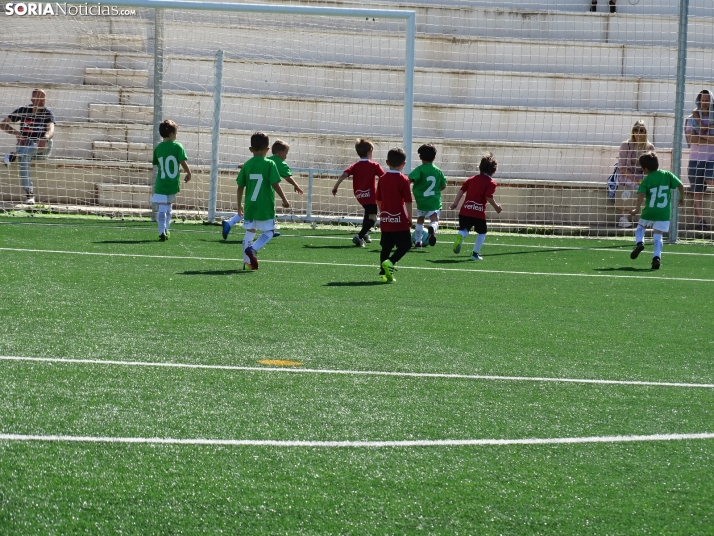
<point x="457" y="244"/>
<point x="655" y="263"/>
<point x="251" y="254"/>
<point x="638" y="249"/>
<point x="226" y="228"/>
<point x="383" y="279"/>
<point x="418" y="245"/>
<point x="388" y="271"/>
<point x="162" y="237"/>
<point x="432" y="236"/>
<point x="475" y="257"/>
<point x="276" y="234"/>
<point x="357" y="241"/>
<point x="367" y="239"/>
<point x="29" y="200"/>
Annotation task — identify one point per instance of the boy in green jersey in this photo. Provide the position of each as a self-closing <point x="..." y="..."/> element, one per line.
<point x="259" y="179"/>
<point x="656" y="190"/>
<point x="167" y="157"/>
<point x="427" y="183"/>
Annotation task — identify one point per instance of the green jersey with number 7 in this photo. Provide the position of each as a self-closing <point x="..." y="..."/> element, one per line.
<point x="168" y="156"/>
<point x="257" y="176"/>
<point x="657" y="187"/>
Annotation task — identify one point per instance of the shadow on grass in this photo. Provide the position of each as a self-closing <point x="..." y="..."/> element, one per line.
<point x="623" y="269"/>
<point x="309" y="246"/>
<point x="449" y="261"/>
<point x="237" y="271"/>
<point x="354" y="284"/>
<point x="125" y="241"/>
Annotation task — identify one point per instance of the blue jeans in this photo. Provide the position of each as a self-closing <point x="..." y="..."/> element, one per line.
<point x="26" y="152"/>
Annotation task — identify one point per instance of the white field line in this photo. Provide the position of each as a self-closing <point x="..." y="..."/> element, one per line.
<point x="360" y="444"/>
<point x="358" y="372"/>
<point x="348" y="265"/>
<point x="349" y="238"/>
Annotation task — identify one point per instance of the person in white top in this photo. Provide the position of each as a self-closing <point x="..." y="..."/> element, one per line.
<point x="699" y="131"/>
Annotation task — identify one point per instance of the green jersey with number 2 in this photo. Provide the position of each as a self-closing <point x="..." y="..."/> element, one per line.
<point x="257" y="176"/>
<point x="657" y="187"/>
<point x="168" y="156"/>
<point x="427" y="180"/>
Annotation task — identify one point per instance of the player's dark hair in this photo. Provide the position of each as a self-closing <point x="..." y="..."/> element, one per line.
<point x="396" y="157"/>
<point x="649" y="161"/>
<point x="167" y="127"/>
<point x="259" y="141"/>
<point x="698" y="100"/>
<point x="488" y="164"/>
<point x="427" y="152"/>
<point x="279" y="146"/>
<point x="363" y="146"/>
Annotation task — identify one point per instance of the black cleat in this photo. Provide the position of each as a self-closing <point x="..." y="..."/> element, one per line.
<point x="655" y="263"/>
<point x="432" y="236"/>
<point x="639" y="248"/>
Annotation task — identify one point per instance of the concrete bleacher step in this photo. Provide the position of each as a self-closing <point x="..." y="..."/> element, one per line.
<point x="121" y="113"/>
<point x="102" y="76"/>
<point x="124" y="195"/>
<point x="132" y="143"/>
<point x="113" y="42"/>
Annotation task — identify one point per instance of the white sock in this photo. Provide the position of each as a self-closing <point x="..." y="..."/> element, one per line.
<point x="247" y="242"/>
<point x="657" y="245"/>
<point x="463" y="232"/>
<point x="161" y="220"/>
<point x="480" y="239"/>
<point x="266" y="237"/>
<point x="434" y="225"/>
<point x="419" y="232"/>
<point x="640" y="234"/>
<point x="235" y="219"/>
<point x="168" y="218"/>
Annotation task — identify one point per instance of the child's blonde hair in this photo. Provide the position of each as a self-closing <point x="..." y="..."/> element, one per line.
<point x="279" y="146"/>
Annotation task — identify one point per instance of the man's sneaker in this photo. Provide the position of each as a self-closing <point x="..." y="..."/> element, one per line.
<point x="475" y="257"/>
<point x="418" y="245"/>
<point x="655" y="263"/>
<point x="367" y="239"/>
<point x="457" y="244"/>
<point x="639" y="248"/>
<point x="357" y="241"/>
<point x="388" y="271"/>
<point x="702" y="226"/>
<point x="624" y="222"/>
<point x="225" y="228"/>
<point x="251" y="254"/>
<point x="275" y="233"/>
<point x="432" y="236"/>
<point x="162" y="237"/>
<point x="29" y="200"/>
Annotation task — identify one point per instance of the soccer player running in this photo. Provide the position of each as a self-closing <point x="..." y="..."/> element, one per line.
<point x="260" y="180"/>
<point x="478" y="189"/>
<point x="394" y="200"/>
<point x="656" y="190"/>
<point x="427" y="183"/>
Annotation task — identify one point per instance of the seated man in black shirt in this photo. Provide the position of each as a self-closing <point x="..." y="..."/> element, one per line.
<point x="34" y="137"/>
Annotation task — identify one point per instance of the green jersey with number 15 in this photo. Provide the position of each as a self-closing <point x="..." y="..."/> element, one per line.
<point x="257" y="176"/>
<point x="657" y="187"/>
<point x="427" y="180"/>
<point x="168" y="156"/>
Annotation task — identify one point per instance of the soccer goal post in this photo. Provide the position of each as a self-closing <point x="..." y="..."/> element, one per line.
<point x="315" y="77"/>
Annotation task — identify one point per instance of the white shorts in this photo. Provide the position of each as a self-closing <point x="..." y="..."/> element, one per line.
<point x="656" y="225"/>
<point x="259" y="225"/>
<point x="163" y="199"/>
<point x="428" y="213"/>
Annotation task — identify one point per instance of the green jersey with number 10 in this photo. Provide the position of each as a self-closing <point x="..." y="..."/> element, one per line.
<point x="168" y="156"/>
<point x="428" y="180"/>
<point x="657" y="187"/>
<point x="257" y="176"/>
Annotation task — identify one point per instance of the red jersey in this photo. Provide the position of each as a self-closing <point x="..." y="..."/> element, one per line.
<point x="364" y="175"/>
<point x="478" y="188"/>
<point x="393" y="191"/>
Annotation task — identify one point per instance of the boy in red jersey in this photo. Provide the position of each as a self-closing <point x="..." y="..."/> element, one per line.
<point x="394" y="198"/>
<point x="364" y="175"/>
<point x="478" y="189"/>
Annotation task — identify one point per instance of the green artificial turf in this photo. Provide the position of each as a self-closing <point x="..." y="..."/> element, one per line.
<point x="535" y="307"/>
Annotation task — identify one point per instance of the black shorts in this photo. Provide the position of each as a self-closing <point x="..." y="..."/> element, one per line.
<point x="466" y="222"/>
<point x="370" y="210"/>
